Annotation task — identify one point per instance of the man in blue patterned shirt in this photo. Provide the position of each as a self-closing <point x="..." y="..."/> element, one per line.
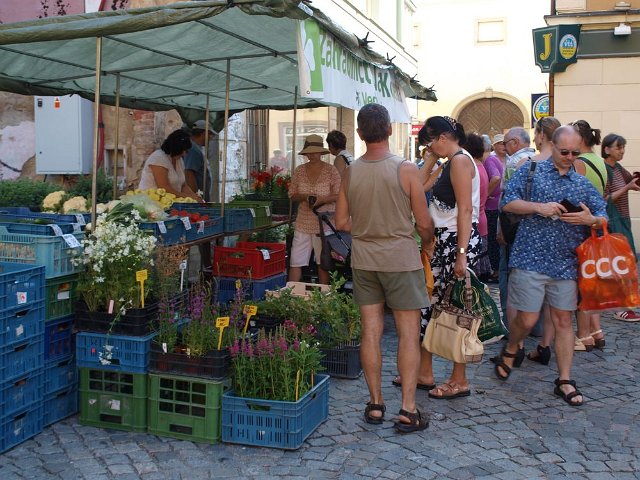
<point x="543" y="260"/>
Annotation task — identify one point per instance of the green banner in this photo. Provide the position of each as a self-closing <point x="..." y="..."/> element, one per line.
<point x="556" y="47"/>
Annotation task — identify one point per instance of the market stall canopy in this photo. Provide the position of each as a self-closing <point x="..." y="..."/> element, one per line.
<point x="174" y="56"/>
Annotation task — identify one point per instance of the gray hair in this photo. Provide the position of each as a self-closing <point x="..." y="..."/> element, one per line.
<point x="486" y="141"/>
<point x="520" y="133"/>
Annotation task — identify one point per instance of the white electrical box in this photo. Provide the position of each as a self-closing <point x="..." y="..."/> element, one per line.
<point x="64" y="134"/>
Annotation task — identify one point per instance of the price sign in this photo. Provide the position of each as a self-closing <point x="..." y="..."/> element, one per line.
<point x="253" y="212"/>
<point x="249" y="311"/>
<point x="57" y="231"/>
<point x="200" y="226"/>
<point x="80" y="219"/>
<point x="268" y="210"/>
<point x="141" y="276"/>
<point x="265" y="254"/>
<point x="162" y="227"/>
<point x="21" y="297"/>
<point x="221" y="324"/>
<point x="71" y="241"/>
<point x="77" y="228"/>
<point x="186" y="222"/>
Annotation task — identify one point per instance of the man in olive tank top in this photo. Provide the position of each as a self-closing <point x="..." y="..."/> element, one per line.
<point x="380" y="196"/>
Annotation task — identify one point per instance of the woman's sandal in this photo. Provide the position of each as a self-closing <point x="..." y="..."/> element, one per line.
<point x="543" y="355"/>
<point x="599" y="343"/>
<point x="417" y="423"/>
<point x="448" y="391"/>
<point x="499" y="361"/>
<point x="567" y="397"/>
<point x="374" y="407"/>
<point x="519" y="358"/>
<point x="580" y="346"/>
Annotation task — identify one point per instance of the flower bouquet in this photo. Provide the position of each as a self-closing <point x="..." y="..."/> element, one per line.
<point x="270" y="183"/>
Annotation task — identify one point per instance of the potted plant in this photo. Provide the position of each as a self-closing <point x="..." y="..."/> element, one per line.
<point x="275" y="309"/>
<point x="278" y="398"/>
<point x="111" y="295"/>
<point x="337" y="320"/>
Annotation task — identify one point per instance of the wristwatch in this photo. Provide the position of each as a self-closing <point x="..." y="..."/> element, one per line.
<point x="462" y="250"/>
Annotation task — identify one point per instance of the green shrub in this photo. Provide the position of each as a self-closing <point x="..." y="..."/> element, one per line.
<point x="25" y="192"/>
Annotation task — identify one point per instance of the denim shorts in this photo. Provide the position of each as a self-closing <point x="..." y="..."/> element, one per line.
<point x="529" y="290"/>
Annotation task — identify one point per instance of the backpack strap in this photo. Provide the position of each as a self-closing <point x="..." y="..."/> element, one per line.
<point x="593" y="167"/>
<point x="527" y="189"/>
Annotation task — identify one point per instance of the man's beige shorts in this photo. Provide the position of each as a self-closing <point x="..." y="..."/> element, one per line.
<point x="400" y="290"/>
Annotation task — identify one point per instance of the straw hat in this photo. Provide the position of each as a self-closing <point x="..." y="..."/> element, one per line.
<point x="313" y="144"/>
<point x="498" y="138"/>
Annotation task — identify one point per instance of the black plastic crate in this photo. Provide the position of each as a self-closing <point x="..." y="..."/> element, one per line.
<point x="213" y="366"/>
<point x="137" y="322"/>
<point x="342" y="361"/>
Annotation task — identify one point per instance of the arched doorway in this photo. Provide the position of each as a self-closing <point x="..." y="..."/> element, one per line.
<point x="490" y="115"/>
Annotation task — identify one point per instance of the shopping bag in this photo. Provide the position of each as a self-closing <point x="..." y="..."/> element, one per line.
<point x="428" y="274"/>
<point x="607" y="274"/>
<point x="491" y="328"/>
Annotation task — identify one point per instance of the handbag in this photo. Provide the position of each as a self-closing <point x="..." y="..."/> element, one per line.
<point x="509" y="222"/>
<point x="452" y="332"/>
<point x="428" y="274"/>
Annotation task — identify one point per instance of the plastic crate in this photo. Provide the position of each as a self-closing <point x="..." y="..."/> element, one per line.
<point x="21" y="323"/>
<point x="269" y="324"/>
<point x="213" y="366"/>
<point x="51" y="251"/>
<point x="252" y="289"/>
<point x="60" y="374"/>
<point x="20" y="284"/>
<point x="279" y="206"/>
<point x="269" y="423"/>
<point x="247" y="260"/>
<point x="25" y="212"/>
<point x="22" y="225"/>
<point x="60" y="404"/>
<point x="184" y="407"/>
<point x="342" y="361"/>
<point x="168" y="232"/>
<point x="113" y="352"/>
<point x="21" y="392"/>
<point x="21" y="426"/>
<point x="205" y="228"/>
<point x="136" y="322"/>
<point x="236" y="219"/>
<point x="261" y="210"/>
<point x="22" y="357"/>
<point x="113" y="399"/>
<point x="302" y="289"/>
<point x="58" y="338"/>
<point x="61" y="295"/>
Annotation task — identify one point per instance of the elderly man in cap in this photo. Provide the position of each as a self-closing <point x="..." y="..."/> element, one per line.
<point x="494" y="165"/>
<point x="194" y="164"/>
<point x="313" y="184"/>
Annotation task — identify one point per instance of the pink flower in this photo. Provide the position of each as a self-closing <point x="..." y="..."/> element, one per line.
<point x="296" y="345"/>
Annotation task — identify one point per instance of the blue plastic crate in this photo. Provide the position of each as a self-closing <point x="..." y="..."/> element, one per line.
<point x="51" y="251"/>
<point x="113" y="352"/>
<point x="60" y="374"/>
<point x="60" y="404"/>
<point x="20" y="284"/>
<point x="21" y="323"/>
<point x="236" y="219"/>
<point x="22" y="357"/>
<point x="25" y="212"/>
<point x="23" y="226"/>
<point x="205" y="228"/>
<point x="22" y="391"/>
<point x="16" y="428"/>
<point x="168" y="232"/>
<point x="269" y="423"/>
<point x="59" y="338"/>
<point x="253" y="289"/>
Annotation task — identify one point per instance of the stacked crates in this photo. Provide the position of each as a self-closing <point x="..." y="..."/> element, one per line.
<point x="21" y="352"/>
<point x="251" y="267"/>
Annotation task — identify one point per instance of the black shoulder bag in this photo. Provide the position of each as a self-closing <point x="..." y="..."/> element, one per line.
<point x="509" y="222"/>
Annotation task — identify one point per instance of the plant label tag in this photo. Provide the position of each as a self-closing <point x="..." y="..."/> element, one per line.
<point x="114" y="404"/>
<point x="57" y="231"/>
<point x="253" y="212"/>
<point x="183" y="265"/>
<point x="222" y="322"/>
<point x="164" y="347"/>
<point x="19" y="330"/>
<point x="162" y="227"/>
<point x="201" y="226"/>
<point x="268" y="210"/>
<point x="110" y="309"/>
<point x="21" y="297"/>
<point x="77" y="228"/>
<point x="186" y="223"/>
<point x="71" y="241"/>
<point x="80" y="219"/>
<point x="250" y="310"/>
<point x="265" y="254"/>
<point x="64" y="294"/>
<point x="141" y="275"/>
<point x="238" y="284"/>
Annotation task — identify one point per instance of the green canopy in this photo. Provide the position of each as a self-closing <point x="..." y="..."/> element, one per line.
<point x="175" y="56"/>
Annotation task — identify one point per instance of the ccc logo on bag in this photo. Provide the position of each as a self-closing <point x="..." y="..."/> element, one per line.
<point x="603" y="267"/>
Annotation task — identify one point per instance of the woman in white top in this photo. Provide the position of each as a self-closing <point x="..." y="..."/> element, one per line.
<point x="165" y="168"/>
<point x="454" y="207"/>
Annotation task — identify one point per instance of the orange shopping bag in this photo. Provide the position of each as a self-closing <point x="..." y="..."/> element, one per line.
<point x="428" y="274"/>
<point x="607" y="276"/>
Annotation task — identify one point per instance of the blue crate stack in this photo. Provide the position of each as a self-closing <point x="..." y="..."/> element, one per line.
<point x="22" y="291"/>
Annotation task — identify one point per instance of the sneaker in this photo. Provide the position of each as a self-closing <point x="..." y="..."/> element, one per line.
<point x="627" y="316"/>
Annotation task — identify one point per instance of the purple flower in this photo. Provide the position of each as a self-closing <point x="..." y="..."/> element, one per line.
<point x="296" y="345"/>
<point x="250" y="350"/>
<point x="234" y="349"/>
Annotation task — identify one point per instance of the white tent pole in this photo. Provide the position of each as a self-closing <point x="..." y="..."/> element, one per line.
<point x="294" y="154"/>
<point x="223" y="189"/>
<point x="96" y="140"/>
<point x="117" y="138"/>
<point x="205" y="162"/>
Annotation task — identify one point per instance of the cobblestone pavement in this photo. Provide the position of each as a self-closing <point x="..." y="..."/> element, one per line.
<point x="504" y="430"/>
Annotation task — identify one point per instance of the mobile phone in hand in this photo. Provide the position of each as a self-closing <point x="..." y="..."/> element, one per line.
<point x="312" y="200"/>
<point x="571" y="208"/>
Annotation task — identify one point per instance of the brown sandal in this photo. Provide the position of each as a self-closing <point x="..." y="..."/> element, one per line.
<point x="448" y="391"/>
<point x="417" y="423"/>
<point x="374" y="407"/>
<point x="568" y="397"/>
<point x="599" y="343"/>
